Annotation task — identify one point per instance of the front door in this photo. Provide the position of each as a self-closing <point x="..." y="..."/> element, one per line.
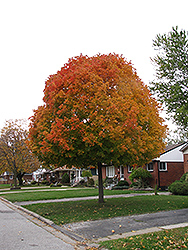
<point x="121" y="173"/>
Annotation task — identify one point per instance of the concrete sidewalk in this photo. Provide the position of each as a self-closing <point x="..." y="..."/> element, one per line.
<point x="22" y="203"/>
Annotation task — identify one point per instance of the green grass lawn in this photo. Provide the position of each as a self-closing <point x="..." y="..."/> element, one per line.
<point x="2" y="186"/>
<point x="48" y="195"/>
<point x="74" y="211"/>
<point x="167" y="239"/>
<point x="31" y="189"/>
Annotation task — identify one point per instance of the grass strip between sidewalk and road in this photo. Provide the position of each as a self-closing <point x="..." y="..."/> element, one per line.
<point x="76" y="211"/>
<point x="167" y="239"/>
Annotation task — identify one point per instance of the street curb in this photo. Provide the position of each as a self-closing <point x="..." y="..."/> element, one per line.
<point x="44" y="220"/>
<point x="140" y="232"/>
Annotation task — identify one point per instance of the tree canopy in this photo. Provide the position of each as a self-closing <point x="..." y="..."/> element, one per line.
<point x="171" y="84"/>
<point x="97" y="110"/>
<point x="15" y="156"/>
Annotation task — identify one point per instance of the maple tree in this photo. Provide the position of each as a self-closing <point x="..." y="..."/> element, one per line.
<point x="97" y="110"/>
<point x="15" y="156"/>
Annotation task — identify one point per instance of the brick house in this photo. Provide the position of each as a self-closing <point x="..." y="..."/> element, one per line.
<point x="167" y="168"/>
<point x="184" y="150"/>
<point x="7" y="178"/>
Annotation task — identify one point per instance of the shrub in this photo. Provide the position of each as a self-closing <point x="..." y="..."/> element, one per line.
<point x="90" y="182"/>
<point x="65" y="178"/>
<point x="184" y="177"/>
<point x="141" y="175"/>
<point x="44" y="182"/>
<point x="123" y="183"/>
<point x="97" y="182"/>
<point x="81" y="183"/>
<point x="133" y="184"/>
<point x="108" y="181"/>
<point x="120" y="187"/>
<point x="52" y="179"/>
<point x="179" y="188"/>
<point x="87" y="173"/>
<point x="33" y="182"/>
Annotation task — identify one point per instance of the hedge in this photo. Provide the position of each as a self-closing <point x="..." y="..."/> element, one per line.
<point x="179" y="188"/>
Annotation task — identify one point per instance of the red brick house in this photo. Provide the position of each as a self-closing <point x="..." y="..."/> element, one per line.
<point x="7" y="178"/>
<point x="167" y="168"/>
<point x="184" y="150"/>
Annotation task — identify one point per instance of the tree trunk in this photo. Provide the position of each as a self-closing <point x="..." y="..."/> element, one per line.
<point x="15" y="175"/>
<point x="101" y="196"/>
<point x="19" y="176"/>
<point x="15" y="180"/>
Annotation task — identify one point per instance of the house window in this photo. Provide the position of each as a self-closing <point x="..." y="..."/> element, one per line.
<point x="11" y="177"/>
<point x="150" y="166"/>
<point x="110" y="171"/>
<point x="162" y="166"/>
<point x="129" y="169"/>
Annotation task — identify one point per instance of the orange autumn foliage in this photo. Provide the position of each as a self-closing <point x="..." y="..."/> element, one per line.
<point x="97" y="110"/>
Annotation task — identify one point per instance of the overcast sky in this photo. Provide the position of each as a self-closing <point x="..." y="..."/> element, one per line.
<point x="38" y="37"/>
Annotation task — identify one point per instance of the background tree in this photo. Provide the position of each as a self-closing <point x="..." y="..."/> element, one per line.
<point x="171" y="85"/>
<point x="15" y="157"/>
<point x="97" y="110"/>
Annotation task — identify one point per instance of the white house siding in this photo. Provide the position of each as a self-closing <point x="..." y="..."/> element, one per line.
<point x="173" y="155"/>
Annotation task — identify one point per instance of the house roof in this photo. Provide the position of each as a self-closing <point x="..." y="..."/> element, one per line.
<point x="171" y="147"/>
<point x="63" y="168"/>
<point x="184" y="147"/>
<point x="172" y="153"/>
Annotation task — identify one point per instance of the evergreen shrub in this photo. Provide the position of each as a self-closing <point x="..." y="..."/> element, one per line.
<point x="90" y="182"/>
<point x="65" y="178"/>
<point x="179" y="188"/>
<point x="123" y="183"/>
